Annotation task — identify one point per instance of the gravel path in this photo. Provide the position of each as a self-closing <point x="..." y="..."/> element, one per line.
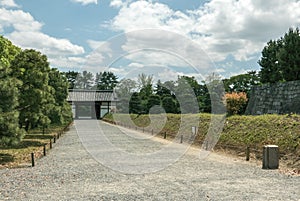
<point x="69" y="172"/>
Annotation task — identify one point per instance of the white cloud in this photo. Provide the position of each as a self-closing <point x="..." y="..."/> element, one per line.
<point x="26" y="33"/>
<point x="102" y="46"/>
<point x="65" y="62"/>
<point x="117" y="3"/>
<point x="19" y="20"/>
<point x="45" y="43"/>
<point x="85" y="2"/>
<point x="234" y="27"/>
<point x="147" y="15"/>
<point x="8" y="3"/>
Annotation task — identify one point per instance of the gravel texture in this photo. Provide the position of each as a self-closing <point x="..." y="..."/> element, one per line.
<point x="69" y="172"/>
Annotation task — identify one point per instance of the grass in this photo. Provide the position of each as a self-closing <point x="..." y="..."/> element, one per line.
<point x="20" y="155"/>
<point x="238" y="132"/>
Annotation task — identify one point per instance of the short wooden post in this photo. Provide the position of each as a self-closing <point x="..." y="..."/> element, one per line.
<point x="32" y="159"/>
<point x="54" y="139"/>
<point x="165" y="135"/>
<point x="50" y="144"/>
<point x="44" y="150"/>
<point x="247" y="153"/>
<point x="181" y="138"/>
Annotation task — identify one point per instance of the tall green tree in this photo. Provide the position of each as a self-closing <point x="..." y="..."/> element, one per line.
<point x="162" y="90"/>
<point x="153" y="100"/>
<point x="32" y="68"/>
<point x="106" y="81"/>
<point x="72" y="78"/>
<point x="169" y="104"/>
<point x="10" y="133"/>
<point x="289" y="55"/>
<point x="270" y="71"/>
<point x="185" y="94"/>
<point x="135" y="106"/>
<point x="216" y="92"/>
<point x="124" y="90"/>
<point x="204" y="99"/>
<point x="145" y="84"/>
<point x="84" y="80"/>
<point x="145" y="80"/>
<point x="60" y="112"/>
<point x="280" y="59"/>
<point x="242" y="82"/>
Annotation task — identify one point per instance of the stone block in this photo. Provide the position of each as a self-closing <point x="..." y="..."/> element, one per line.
<point x="270" y="157"/>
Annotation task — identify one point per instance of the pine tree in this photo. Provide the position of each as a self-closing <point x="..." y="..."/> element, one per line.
<point x="280" y="59"/>
<point x="10" y="133"/>
<point x="32" y="68"/>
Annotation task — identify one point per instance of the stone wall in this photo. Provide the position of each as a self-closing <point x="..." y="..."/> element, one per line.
<point x="279" y="98"/>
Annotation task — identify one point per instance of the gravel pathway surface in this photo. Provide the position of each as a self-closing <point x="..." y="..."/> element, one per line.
<point x="69" y="172"/>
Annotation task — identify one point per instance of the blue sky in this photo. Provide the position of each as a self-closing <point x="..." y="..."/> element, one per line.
<point x="165" y="38"/>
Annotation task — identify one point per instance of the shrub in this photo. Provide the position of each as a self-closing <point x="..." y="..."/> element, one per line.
<point x="236" y="102"/>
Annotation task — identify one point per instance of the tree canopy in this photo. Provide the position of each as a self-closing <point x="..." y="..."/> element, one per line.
<point x="280" y="60"/>
<point x="31" y="93"/>
<point x="10" y="133"/>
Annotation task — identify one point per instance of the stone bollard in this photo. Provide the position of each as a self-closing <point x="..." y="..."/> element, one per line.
<point x="270" y="157"/>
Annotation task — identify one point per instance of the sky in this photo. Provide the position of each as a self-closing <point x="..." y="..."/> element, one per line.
<point x="163" y="38"/>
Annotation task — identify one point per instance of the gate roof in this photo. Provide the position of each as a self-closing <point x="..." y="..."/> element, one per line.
<point x="91" y="95"/>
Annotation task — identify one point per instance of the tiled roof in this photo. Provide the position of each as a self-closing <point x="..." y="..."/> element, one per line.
<point x="91" y="95"/>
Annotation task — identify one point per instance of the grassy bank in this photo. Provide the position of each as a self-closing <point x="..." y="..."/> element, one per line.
<point x="238" y="132"/>
<point x="20" y="155"/>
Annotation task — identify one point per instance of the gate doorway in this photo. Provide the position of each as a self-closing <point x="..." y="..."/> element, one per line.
<point x="91" y="104"/>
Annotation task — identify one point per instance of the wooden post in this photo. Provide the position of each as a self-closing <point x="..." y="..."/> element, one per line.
<point x="247" y="153"/>
<point x="165" y="135"/>
<point x="54" y="139"/>
<point x="50" y="144"/>
<point x="44" y="150"/>
<point x="32" y="159"/>
<point x="181" y="138"/>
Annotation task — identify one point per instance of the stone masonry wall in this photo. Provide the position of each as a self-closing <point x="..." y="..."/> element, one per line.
<point x="279" y="98"/>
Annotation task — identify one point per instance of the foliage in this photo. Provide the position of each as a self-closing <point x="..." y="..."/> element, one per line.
<point x="35" y="99"/>
<point x="135" y="106"/>
<point x="106" y="81"/>
<point x="124" y="90"/>
<point x="32" y="94"/>
<point x="236" y="102"/>
<point x="84" y="80"/>
<point x="169" y="104"/>
<point x="289" y="55"/>
<point x="242" y="82"/>
<point x="280" y="59"/>
<point x="144" y="80"/>
<point x="61" y="111"/>
<point x="71" y="76"/>
<point x="10" y="133"/>
<point x="185" y="93"/>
